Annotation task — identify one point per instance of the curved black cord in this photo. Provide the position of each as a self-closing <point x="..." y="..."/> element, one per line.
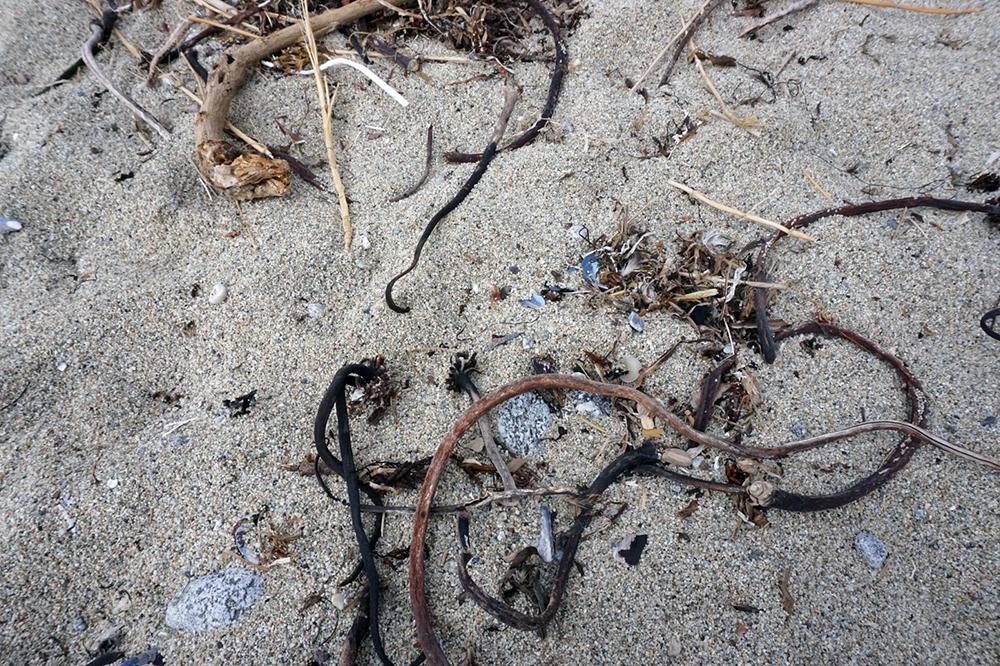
<point x="335" y="399"/>
<point x="989" y="323"/>
<point x="551" y="99"/>
<point x="477" y="174"/>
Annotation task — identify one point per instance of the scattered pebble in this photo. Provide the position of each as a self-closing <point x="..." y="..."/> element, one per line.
<point x="919" y="514"/>
<point x="635" y="321"/>
<point x="220" y="293"/>
<point x="111" y="483"/>
<point x="522" y="421"/>
<point x="988" y="421"/>
<point x="9" y="226"/>
<point x="799" y="430"/>
<point x="315" y="310"/>
<point x="213" y="601"/>
<point x="339" y="599"/>
<point x="178" y="441"/>
<point x="871" y="548"/>
<point x="535" y="301"/>
<point x="79" y="625"/>
<point x="123" y="604"/>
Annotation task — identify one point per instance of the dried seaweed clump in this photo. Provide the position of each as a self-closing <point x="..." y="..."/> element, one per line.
<point x="376" y="396"/>
<point x="702" y="281"/>
<point x="502" y="30"/>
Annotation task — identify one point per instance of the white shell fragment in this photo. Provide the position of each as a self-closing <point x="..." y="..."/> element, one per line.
<point x="632" y="368"/>
<point x="9" y="226"/>
<point x="546" y="545"/>
<point x="220" y="293"/>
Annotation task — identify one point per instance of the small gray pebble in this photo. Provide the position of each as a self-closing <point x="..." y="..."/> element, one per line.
<point x="919" y="514"/>
<point x="178" y="441"/>
<point x="79" y="625"/>
<point x="871" y="548"/>
<point x="799" y="430"/>
<point x="213" y="601"/>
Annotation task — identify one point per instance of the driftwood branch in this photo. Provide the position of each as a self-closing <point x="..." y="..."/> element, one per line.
<point x="250" y="175"/>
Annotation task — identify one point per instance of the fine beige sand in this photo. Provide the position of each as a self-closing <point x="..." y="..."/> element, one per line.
<point x="112" y="500"/>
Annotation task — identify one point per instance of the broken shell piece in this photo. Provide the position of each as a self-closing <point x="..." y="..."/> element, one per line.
<point x="220" y="293"/>
<point x="632" y="367"/>
<point x="247" y="549"/>
<point x="546" y="547"/>
<point x="629" y="550"/>
<point x="677" y="457"/>
<point x="9" y="226"/>
<point x="589" y="267"/>
<point x="715" y="241"/>
<point x="535" y="301"/>
<point x="635" y="321"/>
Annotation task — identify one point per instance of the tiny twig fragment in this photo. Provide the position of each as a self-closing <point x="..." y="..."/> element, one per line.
<point x="738" y="213"/>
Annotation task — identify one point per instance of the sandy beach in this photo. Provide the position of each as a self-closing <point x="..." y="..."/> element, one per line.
<point x="122" y="473"/>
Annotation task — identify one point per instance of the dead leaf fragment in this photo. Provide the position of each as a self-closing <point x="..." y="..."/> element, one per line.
<point x="787" y="600"/>
<point x="688" y="510"/>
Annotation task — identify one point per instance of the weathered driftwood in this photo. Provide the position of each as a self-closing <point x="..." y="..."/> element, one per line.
<point x="249" y="175"/>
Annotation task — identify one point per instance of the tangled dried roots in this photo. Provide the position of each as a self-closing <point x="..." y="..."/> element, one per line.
<point x="242" y="176"/>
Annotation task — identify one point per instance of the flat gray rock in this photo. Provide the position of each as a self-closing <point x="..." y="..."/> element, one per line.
<point x="871" y="548"/>
<point x="213" y="601"/>
<point x="522" y="421"/>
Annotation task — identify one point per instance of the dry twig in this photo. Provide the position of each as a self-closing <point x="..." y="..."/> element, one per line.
<point x="97" y="36"/>
<point x="738" y="213"/>
<point x="326" y="112"/>
<point x="677" y="44"/>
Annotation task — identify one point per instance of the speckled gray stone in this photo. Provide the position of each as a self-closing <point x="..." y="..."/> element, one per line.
<point x="871" y="548"/>
<point x="522" y="422"/>
<point x="215" y="600"/>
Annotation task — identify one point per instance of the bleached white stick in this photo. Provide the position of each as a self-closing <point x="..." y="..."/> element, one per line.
<point x="372" y="76"/>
